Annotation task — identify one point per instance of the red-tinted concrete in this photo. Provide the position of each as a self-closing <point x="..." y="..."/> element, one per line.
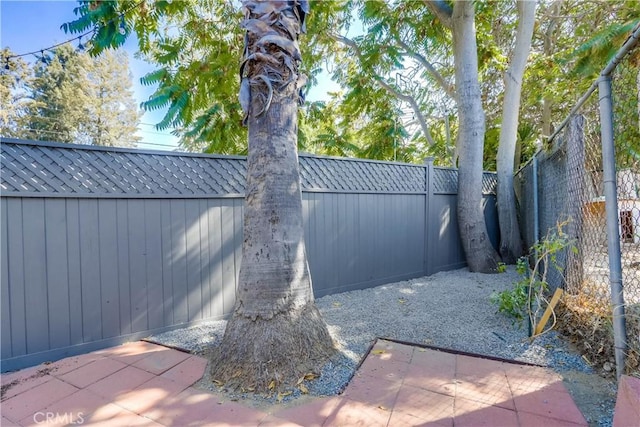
<point x="142" y="384"/>
<point x="627" y="412"/>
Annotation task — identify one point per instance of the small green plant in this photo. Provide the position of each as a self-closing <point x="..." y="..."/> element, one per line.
<point x="514" y="302"/>
<point x="527" y="298"/>
<point x="502" y="267"/>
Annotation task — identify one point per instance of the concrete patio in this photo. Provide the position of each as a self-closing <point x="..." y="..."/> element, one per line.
<point x="144" y="384"/>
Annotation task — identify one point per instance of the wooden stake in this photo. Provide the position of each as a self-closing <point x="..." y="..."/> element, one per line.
<point x="547" y="313"/>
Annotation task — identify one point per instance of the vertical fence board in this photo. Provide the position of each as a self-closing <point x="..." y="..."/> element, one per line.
<point x="228" y="255"/>
<point x="35" y="276"/>
<point x="179" y="261"/>
<point x="342" y="250"/>
<point x="238" y="223"/>
<point x="57" y="272"/>
<point x="194" y="292"/>
<point x="215" y="258"/>
<point x="108" y="250"/>
<point x="5" y="307"/>
<point x="331" y="224"/>
<point x="124" y="267"/>
<point x="137" y="265"/>
<point x="154" y="265"/>
<point x="205" y="263"/>
<point x="311" y="241"/>
<point x="90" y="270"/>
<point x="15" y="247"/>
<point x="167" y="264"/>
<point x="75" y="271"/>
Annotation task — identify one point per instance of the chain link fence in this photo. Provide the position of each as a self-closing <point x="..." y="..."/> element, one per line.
<point x="565" y="184"/>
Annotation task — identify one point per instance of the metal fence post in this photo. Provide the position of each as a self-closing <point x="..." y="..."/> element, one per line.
<point x="611" y="206"/>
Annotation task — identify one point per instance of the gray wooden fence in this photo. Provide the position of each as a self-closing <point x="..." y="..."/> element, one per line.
<point x="105" y="245"/>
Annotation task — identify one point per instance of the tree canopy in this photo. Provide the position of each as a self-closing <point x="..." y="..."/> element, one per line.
<point x="393" y="61"/>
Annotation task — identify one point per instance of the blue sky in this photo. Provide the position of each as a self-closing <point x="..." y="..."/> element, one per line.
<point x="27" y="26"/>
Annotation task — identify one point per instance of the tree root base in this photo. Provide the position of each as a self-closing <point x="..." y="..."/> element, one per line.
<point x="267" y="356"/>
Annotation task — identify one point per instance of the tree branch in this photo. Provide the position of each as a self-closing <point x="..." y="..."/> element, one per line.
<point x="395" y="92"/>
<point x="448" y="88"/>
<point x="441" y="9"/>
<point x="414" y="106"/>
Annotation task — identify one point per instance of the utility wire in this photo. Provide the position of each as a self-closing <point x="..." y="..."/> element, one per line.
<point x="79" y="38"/>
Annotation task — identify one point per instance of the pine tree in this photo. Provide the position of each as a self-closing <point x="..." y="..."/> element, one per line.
<point x="113" y="113"/>
<point x="84" y="100"/>
<point x="13" y="96"/>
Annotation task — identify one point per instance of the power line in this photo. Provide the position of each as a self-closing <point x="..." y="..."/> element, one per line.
<point x="55" y="132"/>
<point x="79" y="38"/>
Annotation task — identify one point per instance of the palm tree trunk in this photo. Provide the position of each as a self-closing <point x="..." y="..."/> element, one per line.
<point x="276" y="334"/>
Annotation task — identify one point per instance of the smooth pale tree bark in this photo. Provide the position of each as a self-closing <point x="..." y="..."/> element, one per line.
<point x="479" y="253"/>
<point x="276" y="334"/>
<point x="510" y="241"/>
<point x="548" y="52"/>
<point x="638" y="89"/>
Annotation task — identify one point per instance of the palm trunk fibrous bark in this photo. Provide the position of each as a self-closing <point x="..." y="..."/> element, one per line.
<point x="276" y="334"/>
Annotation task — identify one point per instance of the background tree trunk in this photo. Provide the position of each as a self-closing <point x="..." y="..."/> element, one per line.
<point x="480" y="254"/>
<point x="510" y="241"/>
<point x="276" y="334"/>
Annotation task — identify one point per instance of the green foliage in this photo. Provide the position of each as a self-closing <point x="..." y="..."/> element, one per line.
<point x="514" y="302"/>
<point x="527" y="298"/>
<point x="196" y="47"/>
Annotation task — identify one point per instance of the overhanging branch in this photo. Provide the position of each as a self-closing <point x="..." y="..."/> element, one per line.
<point x="449" y="89"/>
<point x="442" y="10"/>
<point x="395" y="92"/>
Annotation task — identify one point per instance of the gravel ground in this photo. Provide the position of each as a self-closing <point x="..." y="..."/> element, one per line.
<point x="449" y="309"/>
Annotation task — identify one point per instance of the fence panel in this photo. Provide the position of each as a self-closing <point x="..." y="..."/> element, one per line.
<point x="101" y="246"/>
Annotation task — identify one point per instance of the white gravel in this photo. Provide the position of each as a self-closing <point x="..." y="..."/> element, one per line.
<point x="449" y="309"/>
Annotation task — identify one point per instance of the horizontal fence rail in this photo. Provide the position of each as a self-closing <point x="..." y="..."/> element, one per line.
<point x="106" y="245"/>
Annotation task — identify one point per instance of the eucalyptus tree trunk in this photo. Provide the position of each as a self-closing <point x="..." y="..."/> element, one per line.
<point x="480" y="254"/>
<point x="510" y="240"/>
<point x="276" y="334"/>
<point x="548" y="47"/>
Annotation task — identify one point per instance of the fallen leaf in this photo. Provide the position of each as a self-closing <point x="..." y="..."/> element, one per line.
<point x="310" y="376"/>
<point x="303" y="389"/>
<point x="218" y="383"/>
<point x="282" y="395"/>
<point x="337" y="304"/>
<point x="272" y="385"/>
<point x="378" y="352"/>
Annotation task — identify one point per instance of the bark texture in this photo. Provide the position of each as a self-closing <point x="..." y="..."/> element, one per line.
<point x="276" y="334"/>
<point x="480" y="254"/>
<point x="510" y="241"/>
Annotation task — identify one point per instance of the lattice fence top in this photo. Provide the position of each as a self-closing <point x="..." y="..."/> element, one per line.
<point x="80" y="171"/>
<point x="319" y="173"/>
<point x="445" y="180"/>
<point x="72" y="170"/>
